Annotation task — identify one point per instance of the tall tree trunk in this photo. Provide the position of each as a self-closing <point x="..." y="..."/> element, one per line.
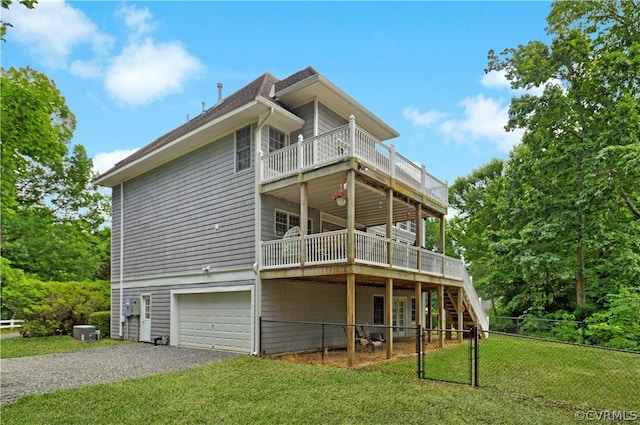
<point x="581" y="298"/>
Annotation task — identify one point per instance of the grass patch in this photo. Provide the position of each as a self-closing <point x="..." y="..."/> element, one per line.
<point x="598" y="378"/>
<point x="260" y="391"/>
<point x="522" y="382"/>
<point x="25" y="347"/>
<point x="577" y="375"/>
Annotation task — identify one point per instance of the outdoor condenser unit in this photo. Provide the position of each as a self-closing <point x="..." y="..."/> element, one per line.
<point x="84" y="333"/>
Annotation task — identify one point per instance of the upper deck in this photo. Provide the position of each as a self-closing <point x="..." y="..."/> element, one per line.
<point x="374" y="160"/>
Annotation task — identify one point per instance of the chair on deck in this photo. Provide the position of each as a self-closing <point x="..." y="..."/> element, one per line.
<point x="291" y="250"/>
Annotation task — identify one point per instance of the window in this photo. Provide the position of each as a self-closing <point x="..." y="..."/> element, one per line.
<point x="378" y="310"/>
<point x="243" y="148"/>
<point x="286" y="220"/>
<point x="277" y="139"/>
<point x="409" y="225"/>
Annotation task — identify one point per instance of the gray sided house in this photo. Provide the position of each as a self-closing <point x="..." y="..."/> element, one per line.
<point x="231" y="218"/>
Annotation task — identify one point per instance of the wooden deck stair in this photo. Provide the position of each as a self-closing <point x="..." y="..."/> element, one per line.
<point x="451" y="307"/>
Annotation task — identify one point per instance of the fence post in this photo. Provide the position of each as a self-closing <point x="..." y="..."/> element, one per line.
<point x="476" y="356"/>
<point x="323" y="343"/>
<point x="259" y="335"/>
<point x="419" y="349"/>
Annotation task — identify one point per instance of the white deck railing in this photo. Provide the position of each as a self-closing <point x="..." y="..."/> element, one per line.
<point x="472" y="298"/>
<point x="371" y="249"/>
<point x="346" y="141"/>
<point x="327" y="248"/>
<point x="331" y="248"/>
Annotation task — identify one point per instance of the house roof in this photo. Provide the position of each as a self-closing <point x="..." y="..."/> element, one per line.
<point x="255" y="98"/>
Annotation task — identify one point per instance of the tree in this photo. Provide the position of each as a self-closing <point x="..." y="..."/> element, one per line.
<point x="475" y="227"/>
<point x="36" y="127"/>
<point x="52" y="212"/>
<point x="571" y="178"/>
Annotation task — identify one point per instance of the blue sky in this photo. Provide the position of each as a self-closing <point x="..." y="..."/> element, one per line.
<point x="132" y="71"/>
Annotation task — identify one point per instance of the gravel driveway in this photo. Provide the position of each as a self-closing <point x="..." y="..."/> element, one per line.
<point x="51" y="372"/>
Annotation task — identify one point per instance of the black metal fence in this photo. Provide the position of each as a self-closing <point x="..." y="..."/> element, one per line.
<point x="326" y="343"/>
<point x="516" y="363"/>
<point x="450" y="357"/>
<point x="554" y="329"/>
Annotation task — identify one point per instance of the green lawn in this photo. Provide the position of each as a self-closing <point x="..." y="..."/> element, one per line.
<point x="24" y="347"/>
<point x="260" y="391"/>
<point x="577" y="375"/>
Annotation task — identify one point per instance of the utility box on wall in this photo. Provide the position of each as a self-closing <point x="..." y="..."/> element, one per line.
<point x="131" y="307"/>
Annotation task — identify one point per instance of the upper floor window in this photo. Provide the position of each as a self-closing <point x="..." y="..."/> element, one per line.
<point x="243" y="148"/>
<point x="286" y="220"/>
<point x="277" y="139"/>
<point x="409" y="225"/>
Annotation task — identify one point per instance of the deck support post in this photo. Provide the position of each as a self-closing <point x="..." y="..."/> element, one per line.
<point x="419" y="235"/>
<point x="389" y="227"/>
<point x="351" y="318"/>
<point x="419" y="309"/>
<point x="388" y="319"/>
<point x="442" y="321"/>
<point x="351" y="216"/>
<point x="460" y="313"/>
<point x="429" y="313"/>
<point x="304" y="218"/>
<point x="441" y="247"/>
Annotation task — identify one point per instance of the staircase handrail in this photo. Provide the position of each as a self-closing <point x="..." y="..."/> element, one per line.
<point x="472" y="298"/>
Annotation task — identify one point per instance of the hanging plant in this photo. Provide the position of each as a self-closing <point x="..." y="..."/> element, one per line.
<point x="340" y="195"/>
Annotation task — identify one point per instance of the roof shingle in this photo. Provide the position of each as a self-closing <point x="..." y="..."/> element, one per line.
<point x="261" y="86"/>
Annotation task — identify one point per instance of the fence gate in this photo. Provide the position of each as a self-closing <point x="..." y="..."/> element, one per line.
<point x="448" y="355"/>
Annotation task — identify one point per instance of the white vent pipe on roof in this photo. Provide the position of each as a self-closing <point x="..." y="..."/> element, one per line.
<point x="219" y="93"/>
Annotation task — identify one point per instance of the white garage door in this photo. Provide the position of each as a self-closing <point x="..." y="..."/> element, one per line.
<point x="220" y="320"/>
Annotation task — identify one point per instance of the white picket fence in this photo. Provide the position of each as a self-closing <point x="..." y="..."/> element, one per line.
<point x="11" y="323"/>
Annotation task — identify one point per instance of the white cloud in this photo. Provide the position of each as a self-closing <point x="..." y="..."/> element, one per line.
<point x="495" y="80"/>
<point x="422" y="120"/>
<point x="138" y="20"/>
<point x="498" y="80"/>
<point x="104" y="161"/>
<point x="149" y="71"/>
<point x="86" y="69"/>
<point x="144" y="70"/>
<point x="484" y="118"/>
<point x="53" y="29"/>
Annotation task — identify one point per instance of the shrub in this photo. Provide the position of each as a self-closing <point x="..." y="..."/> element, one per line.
<point x="619" y="326"/>
<point x="102" y="321"/>
<point x="50" y="308"/>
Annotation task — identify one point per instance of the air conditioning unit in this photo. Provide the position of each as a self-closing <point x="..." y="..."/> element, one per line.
<point x="84" y="333"/>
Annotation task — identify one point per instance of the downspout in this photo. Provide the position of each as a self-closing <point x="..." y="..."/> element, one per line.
<point x="258" y="232"/>
<point x="121" y="257"/>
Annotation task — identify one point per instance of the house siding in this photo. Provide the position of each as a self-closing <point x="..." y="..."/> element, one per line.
<point x="171" y="213"/>
<point x="115" y="233"/>
<point x="328" y="120"/>
<point x="160" y="307"/>
<point x="314" y="302"/>
<point x="306" y="113"/>
<point x="270" y="204"/>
